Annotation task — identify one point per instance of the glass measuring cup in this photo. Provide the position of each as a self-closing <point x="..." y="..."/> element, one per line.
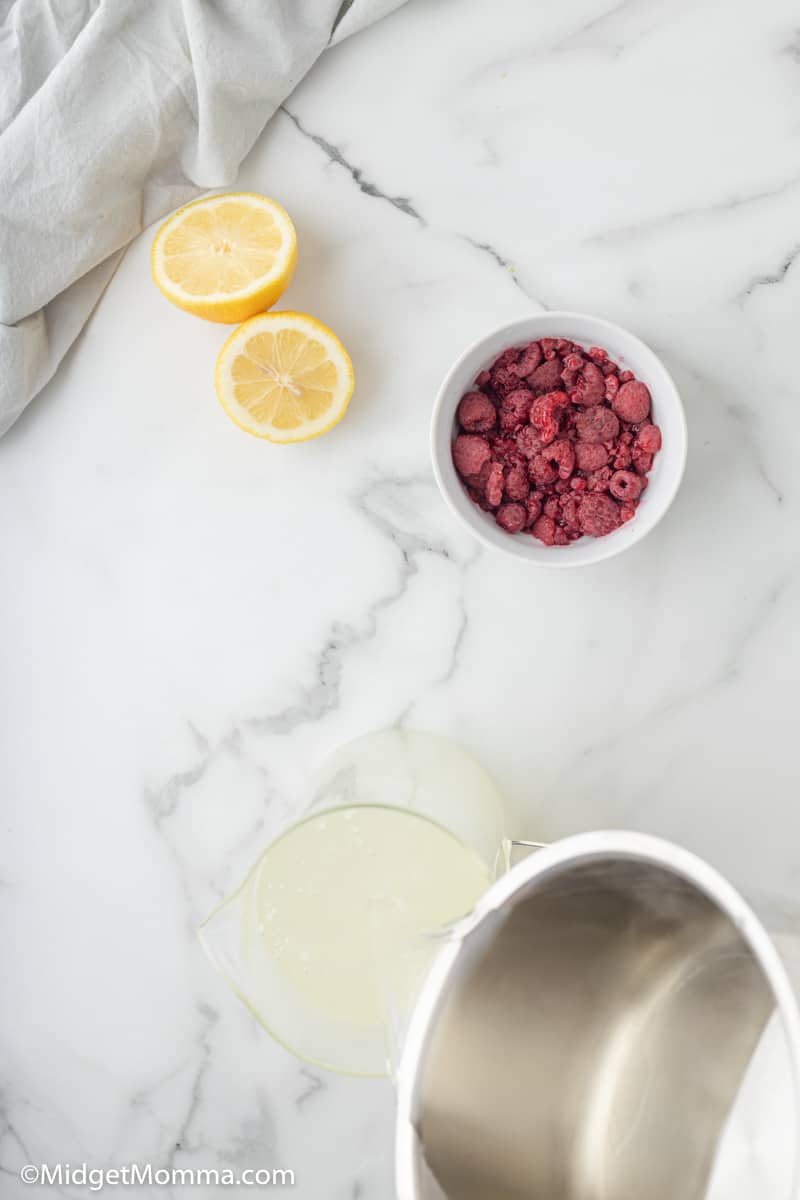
<point x="328" y="937"/>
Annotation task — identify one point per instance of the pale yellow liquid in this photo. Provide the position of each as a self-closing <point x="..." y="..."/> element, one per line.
<point x="344" y="900"/>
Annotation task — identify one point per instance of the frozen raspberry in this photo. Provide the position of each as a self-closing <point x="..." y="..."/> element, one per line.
<point x="623" y="457"/>
<point x="649" y="439"/>
<point x="642" y="461"/>
<point x="598" y="481"/>
<point x="547" y="377"/>
<point x="517" y="485"/>
<point x="544" y="528"/>
<point x="494" y="486"/>
<point x="546" y="413"/>
<point x="476" y="413"/>
<point x="599" y="515"/>
<point x="534" y="507"/>
<point x="632" y="402"/>
<point x="505" y="358"/>
<point x="570" y="513"/>
<point x="512" y="517"/>
<point x="539" y="413"/>
<point x="504" y="380"/>
<point x="515" y="409"/>
<point x="562" y="453"/>
<point x="542" y="472"/>
<point x="597" y="425"/>
<point x="625" y="485"/>
<point x="504" y="450"/>
<point x="470" y="453"/>
<point x="529" y="441"/>
<point x="529" y="360"/>
<point x="590" y="456"/>
<point x="591" y="386"/>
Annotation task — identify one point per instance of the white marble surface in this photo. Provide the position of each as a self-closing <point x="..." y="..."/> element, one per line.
<point x="189" y="618"/>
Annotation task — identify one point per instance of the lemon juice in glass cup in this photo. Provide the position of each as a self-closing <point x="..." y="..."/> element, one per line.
<point x="330" y="934"/>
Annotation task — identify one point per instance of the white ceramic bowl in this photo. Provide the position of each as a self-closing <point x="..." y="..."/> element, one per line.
<point x="630" y="353"/>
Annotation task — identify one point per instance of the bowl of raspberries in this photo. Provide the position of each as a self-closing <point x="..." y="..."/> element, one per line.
<point x="559" y="438"/>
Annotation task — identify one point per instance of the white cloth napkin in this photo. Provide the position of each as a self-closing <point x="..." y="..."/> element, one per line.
<point x="112" y="113"/>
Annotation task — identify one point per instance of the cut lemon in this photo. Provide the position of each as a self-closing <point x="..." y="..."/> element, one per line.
<point x="284" y="376"/>
<point x="227" y="257"/>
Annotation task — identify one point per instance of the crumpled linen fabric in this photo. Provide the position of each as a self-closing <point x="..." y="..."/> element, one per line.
<point x="113" y="113"/>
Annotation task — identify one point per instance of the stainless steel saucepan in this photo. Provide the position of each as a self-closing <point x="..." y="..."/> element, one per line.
<point x="594" y="1033"/>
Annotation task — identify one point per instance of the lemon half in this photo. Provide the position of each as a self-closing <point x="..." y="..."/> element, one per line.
<point x="225" y="257"/>
<point x="284" y="376"/>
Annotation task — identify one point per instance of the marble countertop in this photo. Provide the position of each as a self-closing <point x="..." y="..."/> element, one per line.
<point x="191" y="619"/>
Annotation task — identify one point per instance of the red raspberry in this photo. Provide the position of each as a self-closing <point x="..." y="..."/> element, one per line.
<point x="625" y="485"/>
<point x="627" y="512"/>
<point x="534" y="507"/>
<point x="560" y="537"/>
<point x="642" y="461"/>
<point x="512" y="517"/>
<point x="515" y="409"/>
<point x="598" y="481"/>
<point x="562" y="453"/>
<point x="623" y="457"/>
<point x="590" y="456"/>
<point x="598" y="353"/>
<point x="483" y="380"/>
<point x="597" y="425"/>
<point x="476" y="413"/>
<point x="570" y="513"/>
<point x="547" y="377"/>
<point x="612" y="386"/>
<point x="544" y="528"/>
<point x="546" y="411"/>
<point x="504" y="380"/>
<point x="542" y="472"/>
<point x="494" y="486"/>
<point x="599" y="515"/>
<point x="649" y="439"/>
<point x="632" y="402"/>
<point x="626" y="376"/>
<point x="529" y="442"/>
<point x="517" y="486"/>
<point x="529" y="360"/>
<point x="506" y="358"/>
<point x="591" y="386"/>
<point x="470" y="453"/>
<point x="504" y="450"/>
<point x="552" y="507"/>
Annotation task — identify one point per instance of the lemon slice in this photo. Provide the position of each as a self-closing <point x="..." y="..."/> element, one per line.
<point x="226" y="257"/>
<point x="284" y="376"/>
